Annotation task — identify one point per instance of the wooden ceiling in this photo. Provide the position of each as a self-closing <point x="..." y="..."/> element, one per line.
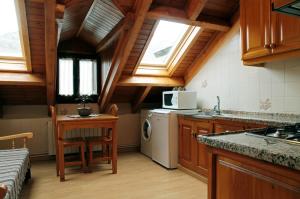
<point x="127" y="23"/>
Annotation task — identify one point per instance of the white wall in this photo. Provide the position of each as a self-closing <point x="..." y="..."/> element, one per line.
<point x="34" y="118"/>
<point x="274" y="88"/>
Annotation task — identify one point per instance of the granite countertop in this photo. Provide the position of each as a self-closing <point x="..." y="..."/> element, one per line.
<point x="267" y="149"/>
<point x="271" y="119"/>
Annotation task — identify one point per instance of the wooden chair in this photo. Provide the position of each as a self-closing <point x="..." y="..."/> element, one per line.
<point x="105" y="141"/>
<point x="70" y="142"/>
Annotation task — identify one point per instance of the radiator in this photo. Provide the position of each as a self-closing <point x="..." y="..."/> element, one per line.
<point x="70" y="134"/>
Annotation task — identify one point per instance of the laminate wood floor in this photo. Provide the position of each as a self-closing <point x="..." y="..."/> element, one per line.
<point x="138" y="177"/>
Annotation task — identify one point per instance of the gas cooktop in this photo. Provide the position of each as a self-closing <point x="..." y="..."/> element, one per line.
<point x="290" y="133"/>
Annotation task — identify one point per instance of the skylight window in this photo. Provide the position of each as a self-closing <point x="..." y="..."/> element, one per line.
<point x="14" y="39"/>
<point x="164" y="42"/>
<point x="10" y="45"/>
<point x="166" y="48"/>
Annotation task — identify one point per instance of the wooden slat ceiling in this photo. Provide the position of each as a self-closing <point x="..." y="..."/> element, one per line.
<point x="103" y="17"/>
<point x="75" y="12"/>
<point x="220" y="9"/>
<point x="180" y="4"/>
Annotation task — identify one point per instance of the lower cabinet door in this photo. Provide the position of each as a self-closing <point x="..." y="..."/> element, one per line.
<point x="235" y="180"/>
<point x="185" y="143"/>
<point x="200" y="150"/>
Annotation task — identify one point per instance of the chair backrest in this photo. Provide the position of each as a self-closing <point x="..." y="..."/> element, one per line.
<point x="53" y="115"/>
<point x="113" y="109"/>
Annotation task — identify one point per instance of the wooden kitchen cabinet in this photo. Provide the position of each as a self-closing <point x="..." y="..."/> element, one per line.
<point x="186" y="140"/>
<point x="267" y="35"/>
<point x="255" y="28"/>
<point x="192" y="154"/>
<point x="221" y="126"/>
<point x="235" y="176"/>
<point x="200" y="150"/>
<point x="285" y="33"/>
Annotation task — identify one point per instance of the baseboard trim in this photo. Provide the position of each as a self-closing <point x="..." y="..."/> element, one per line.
<point x="46" y="156"/>
<point x="192" y="173"/>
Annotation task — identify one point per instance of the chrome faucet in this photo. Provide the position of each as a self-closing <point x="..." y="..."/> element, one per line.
<point x="217" y="108"/>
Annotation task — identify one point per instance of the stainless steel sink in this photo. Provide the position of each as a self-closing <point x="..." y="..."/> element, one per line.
<point x="204" y="115"/>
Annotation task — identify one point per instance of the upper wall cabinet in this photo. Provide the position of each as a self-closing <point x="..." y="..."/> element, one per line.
<point x="267" y="35"/>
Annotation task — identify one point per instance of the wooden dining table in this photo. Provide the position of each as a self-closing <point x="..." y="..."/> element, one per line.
<point x="66" y="123"/>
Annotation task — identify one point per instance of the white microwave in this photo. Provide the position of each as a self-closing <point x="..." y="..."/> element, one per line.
<point x="180" y="100"/>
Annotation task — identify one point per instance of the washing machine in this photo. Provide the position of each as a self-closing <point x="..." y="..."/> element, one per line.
<point x="146" y="133"/>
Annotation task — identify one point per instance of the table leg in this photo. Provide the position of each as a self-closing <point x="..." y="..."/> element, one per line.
<point x="114" y="149"/>
<point x="61" y="154"/>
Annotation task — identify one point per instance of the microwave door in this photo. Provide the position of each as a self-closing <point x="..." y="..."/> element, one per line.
<point x="168" y="99"/>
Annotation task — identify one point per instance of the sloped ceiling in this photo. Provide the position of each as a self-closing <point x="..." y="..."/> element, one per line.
<point x="93" y="20"/>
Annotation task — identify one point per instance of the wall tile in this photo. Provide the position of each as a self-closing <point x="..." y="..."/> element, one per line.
<point x="243" y="88"/>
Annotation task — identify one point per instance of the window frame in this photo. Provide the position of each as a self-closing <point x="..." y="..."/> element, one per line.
<point x="60" y="99"/>
<point x="170" y="66"/>
<point x="25" y="60"/>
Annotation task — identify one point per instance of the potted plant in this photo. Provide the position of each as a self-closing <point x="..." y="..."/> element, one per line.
<point x="85" y="110"/>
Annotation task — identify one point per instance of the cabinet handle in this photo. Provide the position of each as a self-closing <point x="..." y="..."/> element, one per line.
<point x="272" y="45"/>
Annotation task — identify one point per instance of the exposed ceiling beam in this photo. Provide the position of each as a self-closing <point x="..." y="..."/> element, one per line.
<point x="140" y="98"/>
<point x="86" y="18"/>
<point x="115" y="32"/>
<point x="194" y="8"/>
<point x="50" y="50"/>
<point x="117" y="4"/>
<point x="211" y="48"/>
<point x="22" y="79"/>
<point x="128" y="80"/>
<point x="176" y="15"/>
<point x="140" y="11"/>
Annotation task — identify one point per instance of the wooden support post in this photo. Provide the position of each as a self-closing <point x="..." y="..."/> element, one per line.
<point x="50" y="49"/>
<point x="140" y="98"/>
<point x="140" y="12"/>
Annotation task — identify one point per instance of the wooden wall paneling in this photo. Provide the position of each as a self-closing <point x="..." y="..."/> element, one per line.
<point x="194" y="8"/>
<point x="50" y="50"/>
<point x="220" y="9"/>
<point x="179" y="16"/>
<point x="179" y="4"/>
<point x="22" y="95"/>
<point x="139" y="45"/>
<point x="127" y="44"/>
<point x="124" y="94"/>
<point x="150" y="81"/>
<point x="140" y="98"/>
<point x="36" y="30"/>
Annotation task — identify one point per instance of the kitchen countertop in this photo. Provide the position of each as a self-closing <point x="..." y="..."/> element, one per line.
<point x="266" y="149"/>
<point x="270" y="119"/>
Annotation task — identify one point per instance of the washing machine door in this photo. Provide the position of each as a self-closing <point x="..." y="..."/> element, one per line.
<point x="146" y="130"/>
